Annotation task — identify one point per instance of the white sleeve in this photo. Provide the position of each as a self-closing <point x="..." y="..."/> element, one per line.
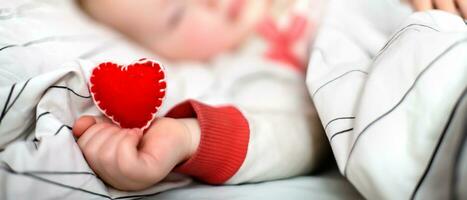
<point x="286" y="137"/>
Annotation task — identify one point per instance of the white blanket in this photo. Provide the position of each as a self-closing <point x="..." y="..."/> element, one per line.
<point x="43" y="89"/>
<point x="388" y="105"/>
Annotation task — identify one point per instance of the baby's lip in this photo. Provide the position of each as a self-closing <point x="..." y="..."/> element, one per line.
<point x="235" y="8"/>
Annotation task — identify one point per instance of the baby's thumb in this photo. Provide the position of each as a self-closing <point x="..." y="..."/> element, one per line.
<point x="82" y="124"/>
<point x="85" y="122"/>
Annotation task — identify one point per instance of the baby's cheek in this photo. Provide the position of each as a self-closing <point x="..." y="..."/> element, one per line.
<point x="204" y="41"/>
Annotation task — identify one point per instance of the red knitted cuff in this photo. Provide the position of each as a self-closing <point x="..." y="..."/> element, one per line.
<point x="223" y="145"/>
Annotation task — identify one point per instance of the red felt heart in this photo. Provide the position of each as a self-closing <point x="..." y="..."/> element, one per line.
<point x="129" y="95"/>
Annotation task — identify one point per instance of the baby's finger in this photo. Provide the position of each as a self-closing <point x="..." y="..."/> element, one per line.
<point x="108" y="152"/>
<point x="446" y="5"/>
<point x="107" y="157"/>
<point x="421" y="5"/>
<point x="100" y="139"/>
<point x="128" y="158"/>
<point x="462" y="4"/>
<point x="91" y="149"/>
<point x="91" y="132"/>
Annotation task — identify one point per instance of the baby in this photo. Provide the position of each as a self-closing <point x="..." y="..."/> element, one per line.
<point x="268" y="130"/>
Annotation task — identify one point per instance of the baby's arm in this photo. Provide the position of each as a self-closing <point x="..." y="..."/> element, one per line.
<point x="129" y="160"/>
<point x="270" y="132"/>
<point x="286" y="136"/>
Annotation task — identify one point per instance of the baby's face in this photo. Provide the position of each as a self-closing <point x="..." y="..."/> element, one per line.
<point x="181" y="29"/>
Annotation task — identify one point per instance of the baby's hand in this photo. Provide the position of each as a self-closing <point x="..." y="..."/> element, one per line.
<point x="129" y="160"/>
<point x="458" y="7"/>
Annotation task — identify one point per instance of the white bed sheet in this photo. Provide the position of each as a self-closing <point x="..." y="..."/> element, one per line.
<point x="328" y="185"/>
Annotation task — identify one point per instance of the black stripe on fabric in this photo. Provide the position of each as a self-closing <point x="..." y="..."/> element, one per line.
<point x="399" y="33"/>
<point x="338" y="77"/>
<point x="5" y="164"/>
<point x="69" y="89"/>
<point x="340" y="132"/>
<point x="42" y="40"/>
<point x="17" y="96"/>
<point x="4" y="112"/>
<point x="140" y="196"/>
<point x="11" y="171"/>
<point x="8" y="169"/>
<point x="7" y="102"/>
<point x="49" y="39"/>
<point x="336" y="119"/>
<point x="438" y="144"/>
<point x="41" y="115"/>
<point x="401" y="100"/>
<point x="393" y="38"/>
<point x="61" y="127"/>
<point x="8" y="46"/>
<point x="35" y="141"/>
<point x="59" y="173"/>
